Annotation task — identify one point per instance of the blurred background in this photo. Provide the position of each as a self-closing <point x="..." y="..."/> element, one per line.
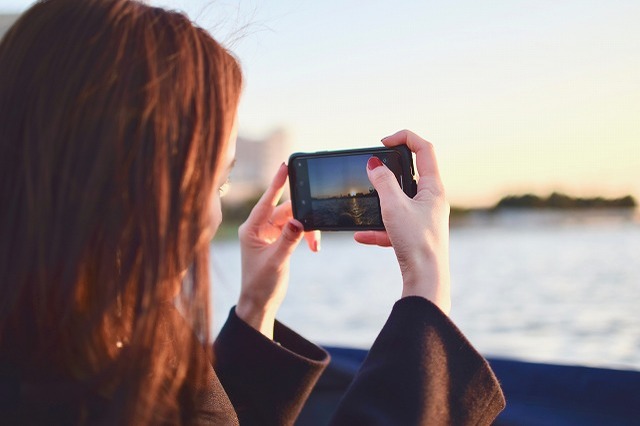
<point x="534" y="110"/>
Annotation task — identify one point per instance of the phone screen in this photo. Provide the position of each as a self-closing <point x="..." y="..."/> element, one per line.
<point x="331" y="191"/>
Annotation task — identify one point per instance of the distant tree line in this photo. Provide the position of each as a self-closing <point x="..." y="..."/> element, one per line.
<point x="237" y="213"/>
<point x="562" y="201"/>
<point x="371" y="193"/>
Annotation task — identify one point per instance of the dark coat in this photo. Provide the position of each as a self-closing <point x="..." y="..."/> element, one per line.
<point x="420" y="370"/>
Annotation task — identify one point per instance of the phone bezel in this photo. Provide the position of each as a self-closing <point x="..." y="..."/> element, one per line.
<point x="406" y="174"/>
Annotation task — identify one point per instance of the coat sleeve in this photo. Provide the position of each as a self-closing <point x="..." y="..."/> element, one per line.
<point x="267" y="381"/>
<point x="421" y="370"/>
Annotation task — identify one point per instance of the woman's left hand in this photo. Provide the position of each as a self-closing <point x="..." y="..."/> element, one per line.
<point x="267" y="240"/>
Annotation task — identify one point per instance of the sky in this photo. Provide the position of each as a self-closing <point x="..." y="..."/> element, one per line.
<point x="516" y="96"/>
<point x="333" y="177"/>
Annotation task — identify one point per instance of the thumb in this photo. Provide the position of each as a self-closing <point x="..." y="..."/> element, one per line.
<point x="292" y="234"/>
<point x="384" y="181"/>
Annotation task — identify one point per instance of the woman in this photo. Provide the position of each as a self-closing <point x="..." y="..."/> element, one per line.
<point x="117" y="136"/>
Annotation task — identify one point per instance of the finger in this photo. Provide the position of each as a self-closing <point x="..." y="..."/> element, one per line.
<point x="262" y="211"/>
<point x="425" y="154"/>
<point x="378" y="238"/>
<point x="291" y="235"/>
<point x="385" y="182"/>
<point x="313" y="240"/>
<point x="281" y="214"/>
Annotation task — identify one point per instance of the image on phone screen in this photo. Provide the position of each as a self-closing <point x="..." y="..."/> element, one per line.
<point x="340" y="192"/>
<point x="331" y="190"/>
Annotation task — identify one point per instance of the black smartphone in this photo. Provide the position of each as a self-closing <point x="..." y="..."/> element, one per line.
<point x="330" y="190"/>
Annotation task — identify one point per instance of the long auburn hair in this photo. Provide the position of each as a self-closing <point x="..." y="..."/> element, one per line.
<point x="114" y="116"/>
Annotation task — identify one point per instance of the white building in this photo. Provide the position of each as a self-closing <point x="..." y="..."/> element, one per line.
<point x="5" y="22"/>
<point x="256" y="163"/>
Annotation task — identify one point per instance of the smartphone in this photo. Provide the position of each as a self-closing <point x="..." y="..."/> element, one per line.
<point x="330" y="190"/>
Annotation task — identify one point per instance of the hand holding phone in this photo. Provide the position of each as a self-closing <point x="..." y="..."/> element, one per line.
<point x="331" y="191"/>
<point x="267" y="240"/>
<point x="418" y="228"/>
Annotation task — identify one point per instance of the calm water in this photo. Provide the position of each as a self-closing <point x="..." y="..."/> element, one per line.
<point x="346" y="211"/>
<point x="550" y="287"/>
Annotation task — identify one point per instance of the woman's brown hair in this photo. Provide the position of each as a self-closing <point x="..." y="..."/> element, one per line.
<point x="114" y="116"/>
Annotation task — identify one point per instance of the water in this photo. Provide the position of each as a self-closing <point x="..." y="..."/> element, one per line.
<point x="346" y="211"/>
<point x="548" y="287"/>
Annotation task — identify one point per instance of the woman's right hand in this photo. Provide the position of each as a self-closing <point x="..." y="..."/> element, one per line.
<point x="418" y="228"/>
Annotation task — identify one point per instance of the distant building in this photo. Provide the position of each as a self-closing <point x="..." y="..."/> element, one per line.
<point x="5" y="22"/>
<point x="256" y="163"/>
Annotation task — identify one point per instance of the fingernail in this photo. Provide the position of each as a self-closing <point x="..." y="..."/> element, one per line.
<point x="293" y="227"/>
<point x="386" y="137"/>
<point x="373" y="162"/>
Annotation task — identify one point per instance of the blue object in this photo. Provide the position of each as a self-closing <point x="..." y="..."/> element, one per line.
<point x="536" y="394"/>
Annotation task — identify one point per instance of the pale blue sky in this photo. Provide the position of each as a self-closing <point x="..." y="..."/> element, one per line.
<point x="516" y="95"/>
